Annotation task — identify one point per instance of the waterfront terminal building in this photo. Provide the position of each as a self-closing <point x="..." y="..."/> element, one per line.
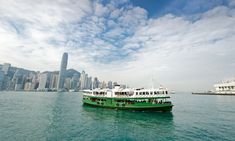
<point x="227" y="87"/>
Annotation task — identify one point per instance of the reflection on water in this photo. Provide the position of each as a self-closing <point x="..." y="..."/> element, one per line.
<point x="131" y="124"/>
<point x="103" y="113"/>
<point x="55" y="127"/>
<point x="65" y="121"/>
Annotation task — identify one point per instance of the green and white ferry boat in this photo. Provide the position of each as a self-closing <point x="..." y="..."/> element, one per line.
<point x="129" y="99"/>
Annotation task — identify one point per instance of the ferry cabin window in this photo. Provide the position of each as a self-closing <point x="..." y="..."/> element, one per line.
<point x="136" y="93"/>
<point x="151" y="93"/>
<point x="143" y="93"/>
<point x="147" y="93"/>
<point x="155" y="92"/>
<point x="166" y="92"/>
<point x="140" y="93"/>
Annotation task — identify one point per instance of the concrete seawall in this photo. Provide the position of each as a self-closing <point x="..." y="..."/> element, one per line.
<point x="205" y="93"/>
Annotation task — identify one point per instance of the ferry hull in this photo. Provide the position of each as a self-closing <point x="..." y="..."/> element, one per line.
<point x="136" y="107"/>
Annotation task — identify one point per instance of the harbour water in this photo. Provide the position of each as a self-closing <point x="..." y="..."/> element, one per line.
<point x="62" y="116"/>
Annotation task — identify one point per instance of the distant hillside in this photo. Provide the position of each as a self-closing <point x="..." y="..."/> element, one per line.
<point x="71" y="72"/>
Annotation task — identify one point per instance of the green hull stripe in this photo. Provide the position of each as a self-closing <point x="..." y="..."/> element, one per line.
<point x="128" y="104"/>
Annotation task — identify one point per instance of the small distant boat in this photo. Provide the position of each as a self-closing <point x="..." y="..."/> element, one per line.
<point x="129" y="99"/>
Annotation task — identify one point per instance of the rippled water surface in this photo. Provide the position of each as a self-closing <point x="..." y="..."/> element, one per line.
<point x="62" y="116"/>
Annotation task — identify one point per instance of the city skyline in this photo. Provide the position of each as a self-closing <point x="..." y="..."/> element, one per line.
<point x="19" y="79"/>
<point x="181" y="45"/>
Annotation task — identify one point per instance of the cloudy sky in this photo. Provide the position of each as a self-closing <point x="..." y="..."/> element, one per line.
<point x="183" y="45"/>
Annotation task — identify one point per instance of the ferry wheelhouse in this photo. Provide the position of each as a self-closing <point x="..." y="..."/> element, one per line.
<point x="130" y="99"/>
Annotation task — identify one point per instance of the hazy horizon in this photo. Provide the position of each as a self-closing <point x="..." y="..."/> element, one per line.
<point x="183" y="45"/>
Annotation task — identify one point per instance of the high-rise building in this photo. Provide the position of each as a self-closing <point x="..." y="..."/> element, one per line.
<point x="95" y="83"/>
<point x="35" y="81"/>
<point x="110" y="85"/>
<point x="83" y="80"/>
<point x="74" y="82"/>
<point x="86" y="81"/>
<point x="42" y="82"/>
<point x="54" y="81"/>
<point x="27" y="86"/>
<point x="67" y="83"/>
<point x="63" y="67"/>
<point x="1" y="79"/>
<point x="89" y="82"/>
<point x="100" y="84"/>
<point x="7" y="83"/>
<point x="103" y="85"/>
<point x="5" y="68"/>
<point x="28" y="82"/>
<point x="18" y="80"/>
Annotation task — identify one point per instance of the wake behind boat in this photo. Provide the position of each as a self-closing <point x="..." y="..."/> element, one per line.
<point x="129" y="99"/>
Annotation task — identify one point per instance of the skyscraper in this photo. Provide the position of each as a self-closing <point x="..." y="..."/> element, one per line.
<point x="95" y="83"/>
<point x="89" y="82"/>
<point x="5" y="68"/>
<point x="83" y="80"/>
<point x="103" y="85"/>
<point x="42" y="82"/>
<point x="110" y="85"/>
<point x="62" y="72"/>
<point x="1" y="79"/>
<point x="75" y="80"/>
<point x="54" y="81"/>
<point x="18" y="80"/>
<point x="67" y="83"/>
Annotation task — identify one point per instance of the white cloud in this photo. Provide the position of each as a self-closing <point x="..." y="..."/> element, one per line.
<point x="176" y="49"/>
<point x="119" y="42"/>
<point x="100" y="10"/>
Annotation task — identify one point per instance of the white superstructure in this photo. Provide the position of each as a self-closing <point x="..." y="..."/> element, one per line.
<point x="225" y="87"/>
<point x="118" y="92"/>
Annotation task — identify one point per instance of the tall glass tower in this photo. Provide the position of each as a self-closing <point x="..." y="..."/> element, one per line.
<point x="62" y="72"/>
